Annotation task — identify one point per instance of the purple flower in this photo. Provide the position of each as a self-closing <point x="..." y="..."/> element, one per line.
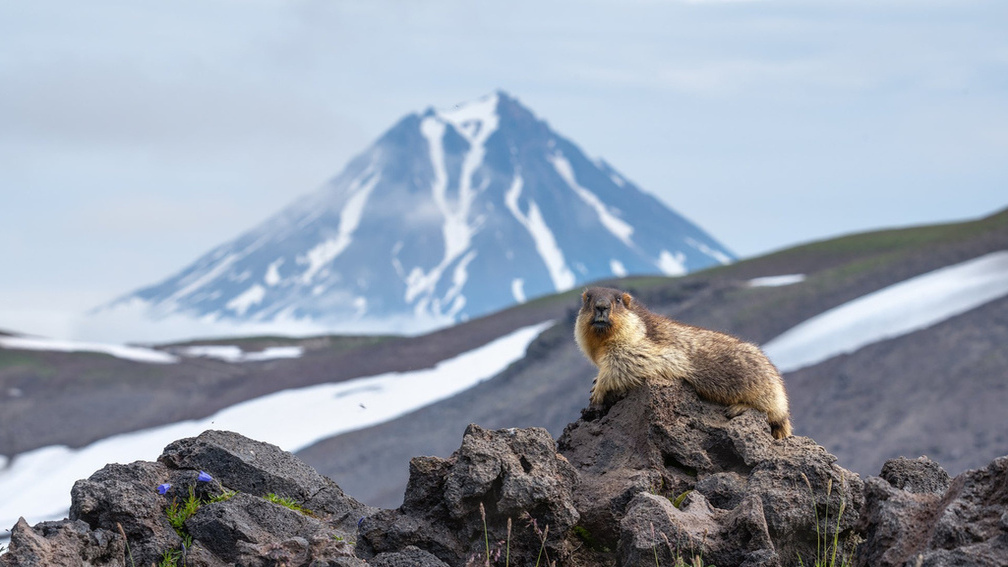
<point x="163" y="488"/>
<point x="204" y="477"/>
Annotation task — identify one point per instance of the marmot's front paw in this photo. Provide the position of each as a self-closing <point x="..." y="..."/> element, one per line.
<point x="736" y="410"/>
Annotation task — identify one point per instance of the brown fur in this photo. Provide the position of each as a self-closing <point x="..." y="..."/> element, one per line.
<point x="629" y="344"/>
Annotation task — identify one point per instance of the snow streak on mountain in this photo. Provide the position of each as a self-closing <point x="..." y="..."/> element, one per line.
<point x="450" y="214"/>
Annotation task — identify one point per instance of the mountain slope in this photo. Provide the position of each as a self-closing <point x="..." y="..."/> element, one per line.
<point x="449" y="215"/>
<point x="908" y="395"/>
<point x="937" y="390"/>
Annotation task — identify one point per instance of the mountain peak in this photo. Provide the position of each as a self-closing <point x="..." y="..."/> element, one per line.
<point x="452" y="213"/>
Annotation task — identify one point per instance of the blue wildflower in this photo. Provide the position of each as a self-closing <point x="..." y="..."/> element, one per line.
<point x="204" y="477"/>
<point x="163" y="488"/>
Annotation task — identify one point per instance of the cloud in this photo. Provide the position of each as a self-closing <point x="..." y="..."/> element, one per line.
<point x="132" y="322"/>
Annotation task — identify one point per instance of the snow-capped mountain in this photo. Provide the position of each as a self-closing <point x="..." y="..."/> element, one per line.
<point x="450" y="214"/>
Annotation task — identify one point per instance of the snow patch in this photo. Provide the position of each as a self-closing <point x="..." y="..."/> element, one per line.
<point x="902" y="308"/>
<point x="197" y="280"/>
<point x="36" y="484"/>
<point x="617" y="226"/>
<point x="136" y="354"/>
<point x="475" y="120"/>
<point x="545" y="243"/>
<point x="672" y="264"/>
<point x="460" y="275"/>
<point x="617" y="268"/>
<point x="716" y="254"/>
<point x="518" y="289"/>
<point x="232" y="353"/>
<point x="350" y="216"/>
<point x="777" y="281"/>
<point x="252" y="296"/>
<point x="456" y="230"/>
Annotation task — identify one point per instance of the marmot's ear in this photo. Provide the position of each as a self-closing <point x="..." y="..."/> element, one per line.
<point x="584" y="295"/>
<point x="627" y="299"/>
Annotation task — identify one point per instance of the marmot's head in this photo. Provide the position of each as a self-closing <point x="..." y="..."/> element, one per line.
<point x="605" y="316"/>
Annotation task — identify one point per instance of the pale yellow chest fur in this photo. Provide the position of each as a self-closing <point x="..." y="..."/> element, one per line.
<point x="631" y="358"/>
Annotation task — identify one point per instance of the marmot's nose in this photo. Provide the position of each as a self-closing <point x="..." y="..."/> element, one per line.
<point x="601" y="308"/>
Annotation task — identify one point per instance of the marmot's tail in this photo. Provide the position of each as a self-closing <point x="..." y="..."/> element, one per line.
<point x="780" y="428"/>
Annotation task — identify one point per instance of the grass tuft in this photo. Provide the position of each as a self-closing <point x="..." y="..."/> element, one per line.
<point x="679" y="499"/>
<point x="288" y="503"/>
<point x="486" y="536"/>
<point x="170" y="558"/>
<point x="827" y="550"/>
<point x="122" y="532"/>
<point x="179" y="513"/>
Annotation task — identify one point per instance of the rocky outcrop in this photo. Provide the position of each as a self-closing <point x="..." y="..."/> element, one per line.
<point x="659" y="476"/>
<point x="503" y="493"/>
<point x="919" y="518"/>
<point x="665" y="474"/>
<point x="63" y="543"/>
<point x="119" y="516"/>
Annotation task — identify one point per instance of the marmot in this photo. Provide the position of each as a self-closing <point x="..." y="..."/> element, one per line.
<point x="629" y="344"/>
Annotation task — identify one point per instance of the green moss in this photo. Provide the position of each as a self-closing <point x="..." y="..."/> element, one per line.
<point x="288" y="503"/>
<point x="589" y="540"/>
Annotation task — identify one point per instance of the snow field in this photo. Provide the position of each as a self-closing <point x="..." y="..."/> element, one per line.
<point x="37" y="484"/>
<point x="901" y="308"/>
<point x="138" y="354"/>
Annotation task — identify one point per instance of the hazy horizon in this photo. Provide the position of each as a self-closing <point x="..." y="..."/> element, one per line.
<point x="139" y="141"/>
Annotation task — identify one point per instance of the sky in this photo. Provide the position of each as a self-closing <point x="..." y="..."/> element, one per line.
<point x="136" y="136"/>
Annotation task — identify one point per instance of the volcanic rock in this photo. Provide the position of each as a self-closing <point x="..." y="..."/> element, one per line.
<point x="504" y="492"/>
<point x="664" y="472"/>
<point x="967" y="524"/>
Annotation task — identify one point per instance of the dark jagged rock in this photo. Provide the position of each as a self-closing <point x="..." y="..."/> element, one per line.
<point x="408" y="557"/>
<point x="514" y="474"/>
<point x="654" y="527"/>
<point x="62" y="543"/>
<point x="247" y="530"/>
<point x="967" y="524"/>
<point x="125" y="496"/>
<point x="244" y="529"/>
<point x="746" y="498"/>
<point x="659" y="476"/>
<point x="259" y="468"/>
<point x="920" y="475"/>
